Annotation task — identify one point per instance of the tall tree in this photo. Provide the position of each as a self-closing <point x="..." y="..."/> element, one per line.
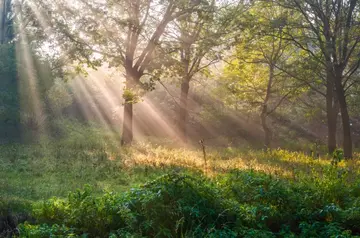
<point x="254" y="77"/>
<point x="125" y="34"/>
<point x="6" y="29"/>
<point x="14" y="70"/>
<point x="331" y="28"/>
<point x="199" y="45"/>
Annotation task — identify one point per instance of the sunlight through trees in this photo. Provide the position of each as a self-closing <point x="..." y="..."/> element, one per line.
<point x="246" y="114"/>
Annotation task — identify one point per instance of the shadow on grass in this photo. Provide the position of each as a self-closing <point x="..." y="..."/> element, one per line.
<point x="38" y="173"/>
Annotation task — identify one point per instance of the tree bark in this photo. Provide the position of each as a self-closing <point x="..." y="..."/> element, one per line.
<point x="127" y="135"/>
<point x="331" y="114"/>
<point x="331" y="121"/>
<point x="183" y="109"/>
<point x="347" y="144"/>
<point x="3" y="12"/>
<point x="185" y="55"/>
<point x="267" y="130"/>
<point x="264" y="111"/>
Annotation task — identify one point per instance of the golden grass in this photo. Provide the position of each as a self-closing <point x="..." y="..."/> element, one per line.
<point x="276" y="162"/>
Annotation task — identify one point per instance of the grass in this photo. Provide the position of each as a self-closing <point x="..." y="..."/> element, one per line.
<point x="31" y="174"/>
<point x="41" y="171"/>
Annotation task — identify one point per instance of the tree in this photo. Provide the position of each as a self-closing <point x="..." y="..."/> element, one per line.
<point x="6" y="23"/>
<point x="18" y="64"/>
<point x="125" y="34"/>
<point x="328" y="32"/>
<point x="9" y="96"/>
<point x="254" y="76"/>
<point x="199" y="44"/>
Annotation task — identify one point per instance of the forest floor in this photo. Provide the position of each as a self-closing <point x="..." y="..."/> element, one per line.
<point x="32" y="174"/>
<point x="42" y="171"/>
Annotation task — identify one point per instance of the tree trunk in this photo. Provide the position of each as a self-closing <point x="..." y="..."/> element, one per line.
<point x="331" y="121"/>
<point x="347" y="145"/>
<point x="264" y="111"/>
<point x="267" y="130"/>
<point x="127" y="133"/>
<point x="331" y="114"/>
<point x="183" y="109"/>
<point x="3" y="12"/>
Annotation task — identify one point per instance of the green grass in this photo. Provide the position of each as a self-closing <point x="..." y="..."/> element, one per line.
<point x="42" y="171"/>
<point x="264" y="193"/>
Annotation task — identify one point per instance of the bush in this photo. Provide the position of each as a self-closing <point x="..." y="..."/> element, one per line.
<point x="44" y="231"/>
<point x="85" y="213"/>
<point x="240" y="203"/>
<point x="171" y="205"/>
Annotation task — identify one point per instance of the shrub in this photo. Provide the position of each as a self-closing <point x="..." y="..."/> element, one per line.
<point x="44" y="231"/>
<point x="168" y="206"/>
<point x="85" y="212"/>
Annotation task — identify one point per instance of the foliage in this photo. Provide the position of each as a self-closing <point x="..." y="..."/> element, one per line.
<point x="9" y="96"/>
<point x="254" y="76"/>
<point x="20" y="103"/>
<point x="44" y="231"/>
<point x="305" y="198"/>
<point x="170" y="205"/>
<point x="58" y="96"/>
<point x="284" y="52"/>
<point x="242" y="203"/>
<point x="338" y="155"/>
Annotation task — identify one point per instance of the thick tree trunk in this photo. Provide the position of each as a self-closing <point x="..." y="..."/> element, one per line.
<point x="331" y="114"/>
<point x="347" y="145"/>
<point x="183" y="110"/>
<point x="331" y="121"/>
<point x="185" y="56"/>
<point x="127" y="134"/>
<point x="3" y="12"/>
<point x="264" y="111"/>
<point x="267" y="130"/>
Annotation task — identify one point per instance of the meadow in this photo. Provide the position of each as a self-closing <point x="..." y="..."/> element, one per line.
<point x="86" y="185"/>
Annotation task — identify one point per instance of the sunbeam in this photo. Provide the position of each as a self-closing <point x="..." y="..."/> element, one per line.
<point x="31" y="105"/>
<point x="159" y="120"/>
<point x="190" y="118"/>
<point x="92" y="107"/>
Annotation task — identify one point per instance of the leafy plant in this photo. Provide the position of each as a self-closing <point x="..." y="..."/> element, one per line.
<point x="337" y="156"/>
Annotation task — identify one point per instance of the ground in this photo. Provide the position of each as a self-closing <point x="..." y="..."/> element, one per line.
<point x="253" y="179"/>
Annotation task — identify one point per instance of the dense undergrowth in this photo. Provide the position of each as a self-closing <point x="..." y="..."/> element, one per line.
<point x="238" y="204"/>
<point x="84" y="186"/>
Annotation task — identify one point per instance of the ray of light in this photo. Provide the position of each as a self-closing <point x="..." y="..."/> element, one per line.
<point x="97" y="102"/>
<point x="32" y="108"/>
<point x="100" y="108"/>
<point x="112" y="98"/>
<point x="83" y="92"/>
<point x="39" y="16"/>
<point x="110" y="102"/>
<point x="160" y="120"/>
<point x="203" y="130"/>
<point x="112" y="93"/>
